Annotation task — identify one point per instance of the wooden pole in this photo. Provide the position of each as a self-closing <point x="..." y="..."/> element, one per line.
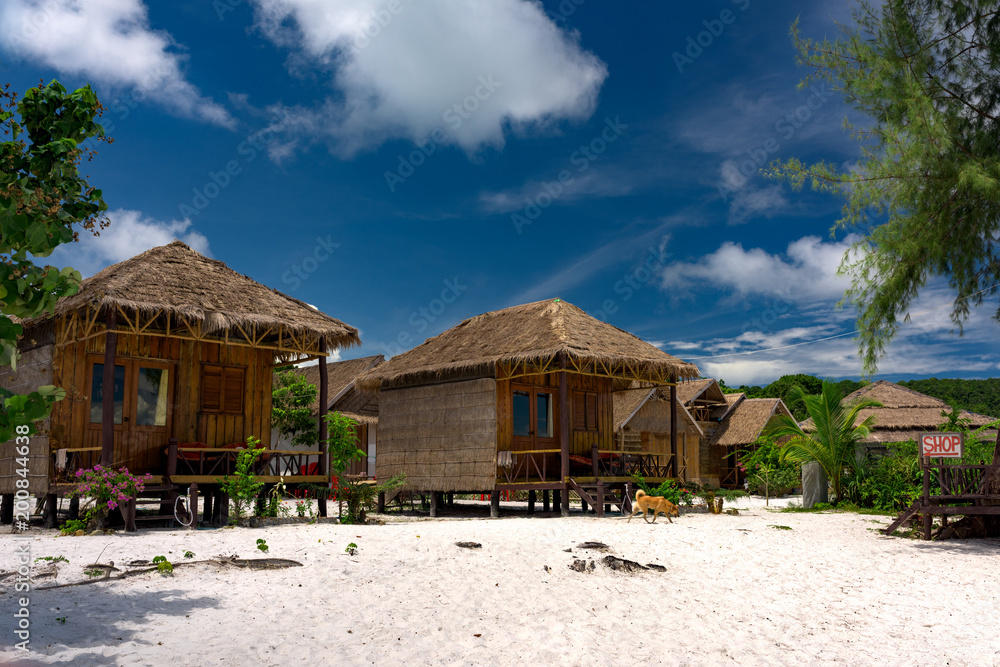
<point x="926" y="461"/>
<point x="495" y="504"/>
<point x="108" y="390"/>
<point x="434" y="504"/>
<point x="207" y="516"/>
<point x="381" y="502"/>
<point x="324" y="454"/>
<point x="7" y="509"/>
<point x="673" y="428"/>
<point x="193" y="504"/>
<point x="531" y="501"/>
<point x="545" y="500"/>
<point x="564" y="431"/>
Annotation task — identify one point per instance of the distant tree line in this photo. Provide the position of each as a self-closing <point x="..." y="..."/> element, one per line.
<point x="982" y="396"/>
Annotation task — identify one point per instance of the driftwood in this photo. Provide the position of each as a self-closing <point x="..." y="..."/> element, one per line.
<point x="250" y="563"/>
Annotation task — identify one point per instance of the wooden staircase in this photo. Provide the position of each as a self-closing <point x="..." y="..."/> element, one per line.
<point x="599" y="495"/>
<point x="165" y="494"/>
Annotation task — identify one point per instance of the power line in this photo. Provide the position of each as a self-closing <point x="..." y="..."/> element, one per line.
<point x="840" y="335"/>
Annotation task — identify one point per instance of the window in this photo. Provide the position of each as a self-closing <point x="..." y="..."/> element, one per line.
<point x="522" y="413"/>
<point x="151" y="404"/>
<point x="544" y="415"/>
<point x="97" y="394"/>
<point x="584" y="411"/>
<point x="222" y="389"/>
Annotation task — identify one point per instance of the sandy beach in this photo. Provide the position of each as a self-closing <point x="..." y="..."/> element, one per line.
<point x="736" y="590"/>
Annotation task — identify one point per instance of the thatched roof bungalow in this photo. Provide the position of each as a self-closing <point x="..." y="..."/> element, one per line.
<point x="186" y="344"/>
<point x="746" y="421"/>
<point x="642" y="424"/>
<point x="905" y="413"/>
<point x="504" y="399"/>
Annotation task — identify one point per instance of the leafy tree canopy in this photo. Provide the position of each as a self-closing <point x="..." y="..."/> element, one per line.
<point x="925" y="74"/>
<point x="43" y="201"/>
<point x="291" y="408"/>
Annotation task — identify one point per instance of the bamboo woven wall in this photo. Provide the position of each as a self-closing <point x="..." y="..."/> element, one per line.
<point x="33" y="371"/>
<point x="442" y="436"/>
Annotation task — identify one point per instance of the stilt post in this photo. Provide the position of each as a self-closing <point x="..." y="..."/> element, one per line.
<point x="324" y="454"/>
<point x="564" y="430"/>
<point x="108" y="390"/>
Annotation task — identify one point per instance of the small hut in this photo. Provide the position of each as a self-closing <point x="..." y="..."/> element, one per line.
<point x="746" y="421"/>
<point x="164" y="348"/>
<point x="349" y="400"/>
<point x="518" y="399"/>
<point x="642" y="423"/>
<point x="905" y="414"/>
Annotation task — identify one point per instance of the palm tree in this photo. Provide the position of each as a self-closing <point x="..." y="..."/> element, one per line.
<point x="833" y="438"/>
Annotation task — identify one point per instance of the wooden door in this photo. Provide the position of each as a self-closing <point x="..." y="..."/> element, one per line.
<point x="143" y="395"/>
<point x="535" y="414"/>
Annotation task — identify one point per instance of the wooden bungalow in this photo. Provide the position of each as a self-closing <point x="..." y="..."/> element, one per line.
<point x="746" y="421"/>
<point x="349" y="400"/>
<point x="519" y="399"/>
<point x="188" y="346"/>
<point x="905" y="414"/>
<point x="642" y="424"/>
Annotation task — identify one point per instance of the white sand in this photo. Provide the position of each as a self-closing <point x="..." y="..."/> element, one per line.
<point x="831" y="590"/>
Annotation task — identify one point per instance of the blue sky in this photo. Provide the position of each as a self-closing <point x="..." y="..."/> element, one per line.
<point x="404" y="164"/>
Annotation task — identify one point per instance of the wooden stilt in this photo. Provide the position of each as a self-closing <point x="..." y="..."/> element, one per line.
<point x="545" y="500"/>
<point x="206" y="516"/>
<point x="434" y="503"/>
<point x="564" y="430"/>
<point x="108" y="390"/>
<point x="495" y="504"/>
<point x="193" y="504"/>
<point x="928" y="518"/>
<point x="673" y="429"/>
<point x="381" y="502"/>
<point x="49" y="518"/>
<point x="130" y="515"/>
<point x="74" y="508"/>
<point x="7" y="509"/>
<point x="557" y="498"/>
<point x="531" y="501"/>
<point x="451" y="499"/>
<point x="324" y="456"/>
<point x="599" y="507"/>
<point x="223" y="508"/>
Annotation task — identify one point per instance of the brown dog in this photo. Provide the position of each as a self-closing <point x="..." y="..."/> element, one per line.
<point x="643" y="503"/>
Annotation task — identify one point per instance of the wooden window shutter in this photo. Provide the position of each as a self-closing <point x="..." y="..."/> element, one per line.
<point x="232" y="390"/>
<point x="211" y="388"/>
<point x="579" y="411"/>
<point x="591" y="400"/>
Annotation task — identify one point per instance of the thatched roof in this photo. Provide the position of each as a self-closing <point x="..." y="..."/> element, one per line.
<point x="905" y="413"/>
<point x="533" y="333"/>
<point x="627" y="405"/>
<point x="747" y="420"/>
<point x="342" y="394"/>
<point x="177" y="280"/>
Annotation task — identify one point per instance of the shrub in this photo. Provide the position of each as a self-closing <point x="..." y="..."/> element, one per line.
<point x="242" y="487"/>
<point x="675" y="492"/>
<point x="108" y="488"/>
<point x="763" y="466"/>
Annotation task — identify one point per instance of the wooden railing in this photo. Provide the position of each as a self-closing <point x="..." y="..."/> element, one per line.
<point x="76" y="458"/>
<point x="219" y="461"/>
<point x="523" y="463"/>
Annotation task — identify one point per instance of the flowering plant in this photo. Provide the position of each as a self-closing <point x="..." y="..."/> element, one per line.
<point x="109" y="488"/>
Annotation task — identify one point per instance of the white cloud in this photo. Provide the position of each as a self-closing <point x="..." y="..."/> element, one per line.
<point x="129" y="234"/>
<point x="403" y="69"/>
<point x="108" y="42"/>
<point x="805" y="273"/>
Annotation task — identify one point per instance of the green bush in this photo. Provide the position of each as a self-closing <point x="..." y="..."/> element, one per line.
<point x="675" y="492"/>
<point x="763" y="466"/>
